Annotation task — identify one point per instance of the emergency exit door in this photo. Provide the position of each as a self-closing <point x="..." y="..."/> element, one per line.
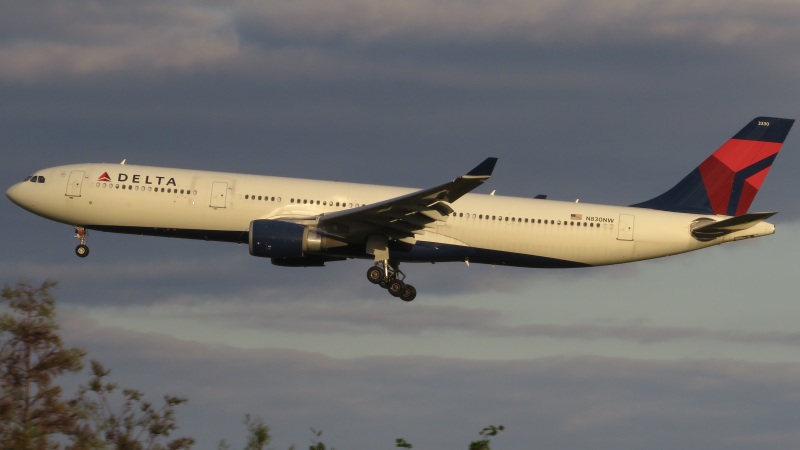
<point x="625" y="229"/>
<point x="74" y="183"/>
<point x="219" y="194"/>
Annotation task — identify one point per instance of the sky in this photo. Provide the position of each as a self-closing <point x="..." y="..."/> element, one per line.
<point x="608" y="102"/>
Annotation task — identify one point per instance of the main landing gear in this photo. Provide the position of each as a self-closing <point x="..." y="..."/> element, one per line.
<point x="82" y="249"/>
<point x="387" y="275"/>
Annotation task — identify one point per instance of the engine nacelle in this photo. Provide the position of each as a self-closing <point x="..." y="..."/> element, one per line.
<point x="304" y="261"/>
<point x="279" y="239"/>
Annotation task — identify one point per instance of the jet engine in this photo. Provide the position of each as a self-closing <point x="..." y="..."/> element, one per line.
<point x="287" y="241"/>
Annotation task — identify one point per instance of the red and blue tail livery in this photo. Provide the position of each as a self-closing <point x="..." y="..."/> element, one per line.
<point x="727" y="181"/>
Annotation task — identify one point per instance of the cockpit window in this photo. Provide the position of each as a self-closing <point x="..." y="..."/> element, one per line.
<point x="26" y="179"/>
<point x="40" y="179"/>
<point x="35" y="179"/>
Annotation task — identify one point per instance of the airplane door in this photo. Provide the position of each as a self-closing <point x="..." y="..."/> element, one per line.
<point x="625" y="230"/>
<point x="74" y="183"/>
<point x="219" y="194"/>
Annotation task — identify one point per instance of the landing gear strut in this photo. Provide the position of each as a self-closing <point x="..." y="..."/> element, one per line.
<point x="82" y="249"/>
<point x="387" y="275"/>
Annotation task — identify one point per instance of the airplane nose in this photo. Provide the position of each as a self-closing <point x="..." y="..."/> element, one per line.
<point x="13" y="194"/>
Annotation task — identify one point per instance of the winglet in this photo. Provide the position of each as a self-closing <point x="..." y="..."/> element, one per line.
<point x="483" y="170"/>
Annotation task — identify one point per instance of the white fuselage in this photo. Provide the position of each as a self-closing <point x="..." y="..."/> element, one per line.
<point x="220" y="206"/>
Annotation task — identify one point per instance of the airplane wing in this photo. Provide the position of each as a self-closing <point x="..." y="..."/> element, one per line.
<point x="401" y="217"/>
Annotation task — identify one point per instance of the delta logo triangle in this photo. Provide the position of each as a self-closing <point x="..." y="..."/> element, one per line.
<point x="104" y="177"/>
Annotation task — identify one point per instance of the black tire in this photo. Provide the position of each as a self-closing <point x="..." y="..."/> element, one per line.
<point x="82" y="251"/>
<point x="396" y="288"/>
<point x="375" y="274"/>
<point x="408" y="294"/>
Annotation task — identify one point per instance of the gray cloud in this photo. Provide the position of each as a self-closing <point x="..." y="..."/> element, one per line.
<point x="373" y="317"/>
<point x="51" y="39"/>
<point x="320" y="39"/>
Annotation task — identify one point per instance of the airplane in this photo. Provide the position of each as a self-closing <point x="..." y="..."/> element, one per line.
<point x="308" y="223"/>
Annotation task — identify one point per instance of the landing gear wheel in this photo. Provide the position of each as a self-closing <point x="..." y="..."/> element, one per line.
<point x="408" y="294"/>
<point x="82" y="251"/>
<point x="396" y="288"/>
<point x="375" y="275"/>
<point x="387" y="274"/>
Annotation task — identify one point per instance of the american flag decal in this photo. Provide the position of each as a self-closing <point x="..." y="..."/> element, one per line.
<point x="576" y="217"/>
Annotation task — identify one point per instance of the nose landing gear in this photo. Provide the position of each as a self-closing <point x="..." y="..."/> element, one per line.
<point x="387" y="275"/>
<point x="82" y="249"/>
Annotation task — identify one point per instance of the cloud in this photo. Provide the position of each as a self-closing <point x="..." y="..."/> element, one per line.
<point x="111" y="37"/>
<point x="363" y="22"/>
<point x="370" y="317"/>
<point x="311" y="38"/>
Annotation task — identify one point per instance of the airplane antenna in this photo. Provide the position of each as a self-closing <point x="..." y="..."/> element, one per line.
<point x="123" y="161"/>
<point x="577" y="200"/>
<point x="492" y="193"/>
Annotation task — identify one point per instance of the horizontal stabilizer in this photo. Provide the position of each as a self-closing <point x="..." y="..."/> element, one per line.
<point x="705" y="231"/>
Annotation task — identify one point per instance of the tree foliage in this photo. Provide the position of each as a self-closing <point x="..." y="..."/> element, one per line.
<point x="258" y="436"/>
<point x="135" y="424"/>
<point x="486" y="433"/>
<point x="33" y="414"/>
<point x="401" y="443"/>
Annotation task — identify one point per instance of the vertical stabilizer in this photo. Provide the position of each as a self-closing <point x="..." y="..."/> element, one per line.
<point x="727" y="182"/>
